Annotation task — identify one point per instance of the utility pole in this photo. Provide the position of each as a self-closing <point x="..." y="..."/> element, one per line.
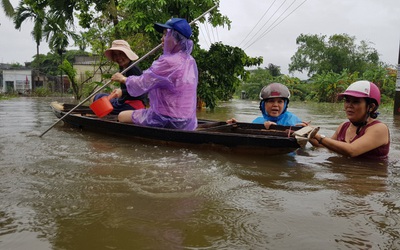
<point x="396" y="110"/>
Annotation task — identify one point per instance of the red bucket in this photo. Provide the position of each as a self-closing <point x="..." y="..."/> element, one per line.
<point x="102" y="106"/>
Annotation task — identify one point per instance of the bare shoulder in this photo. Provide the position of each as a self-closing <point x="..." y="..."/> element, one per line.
<point x="379" y="129"/>
<point x="378" y="126"/>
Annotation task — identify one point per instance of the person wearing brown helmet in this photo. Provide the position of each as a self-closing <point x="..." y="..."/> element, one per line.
<point x="121" y="53"/>
<point x="362" y="135"/>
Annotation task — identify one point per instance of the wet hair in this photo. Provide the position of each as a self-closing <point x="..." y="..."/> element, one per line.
<point x="373" y="114"/>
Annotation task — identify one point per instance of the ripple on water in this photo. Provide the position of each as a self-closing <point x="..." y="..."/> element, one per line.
<point x="352" y="241"/>
<point x="7" y="224"/>
<point x="78" y="189"/>
<point x="395" y="244"/>
<point x="382" y="221"/>
<point x="233" y="219"/>
<point x="173" y="177"/>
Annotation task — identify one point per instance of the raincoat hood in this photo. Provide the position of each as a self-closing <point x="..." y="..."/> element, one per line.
<point x="175" y="42"/>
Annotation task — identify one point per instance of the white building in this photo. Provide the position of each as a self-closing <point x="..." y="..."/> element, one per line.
<point x="16" y="80"/>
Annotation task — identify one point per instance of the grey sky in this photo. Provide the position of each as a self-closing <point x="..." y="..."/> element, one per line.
<point x="376" y="21"/>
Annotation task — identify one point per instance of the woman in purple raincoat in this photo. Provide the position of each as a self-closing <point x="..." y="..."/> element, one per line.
<point x="171" y="82"/>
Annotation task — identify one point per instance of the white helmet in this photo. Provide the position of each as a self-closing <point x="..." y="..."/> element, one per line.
<point x="364" y="89"/>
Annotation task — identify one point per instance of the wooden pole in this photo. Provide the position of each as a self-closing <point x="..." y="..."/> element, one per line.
<point x="396" y="110"/>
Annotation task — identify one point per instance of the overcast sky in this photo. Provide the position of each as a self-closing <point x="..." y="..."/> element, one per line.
<point x="274" y="37"/>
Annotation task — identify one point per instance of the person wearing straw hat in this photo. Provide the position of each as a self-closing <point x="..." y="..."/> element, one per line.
<point x="121" y="53"/>
<point x="362" y="136"/>
<point x="171" y="82"/>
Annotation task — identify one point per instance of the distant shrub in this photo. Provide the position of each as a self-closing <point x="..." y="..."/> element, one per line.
<point x="42" y="92"/>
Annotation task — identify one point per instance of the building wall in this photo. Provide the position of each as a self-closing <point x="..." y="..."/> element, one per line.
<point x="82" y="69"/>
<point x="86" y="67"/>
<point x="17" y="80"/>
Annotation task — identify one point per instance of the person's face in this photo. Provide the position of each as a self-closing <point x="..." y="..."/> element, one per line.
<point x="274" y="106"/>
<point x="168" y="41"/>
<point x="166" y="38"/>
<point x="355" y="108"/>
<point x="163" y="36"/>
<point x="120" y="58"/>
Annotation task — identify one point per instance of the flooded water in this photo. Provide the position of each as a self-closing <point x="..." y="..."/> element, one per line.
<point x="73" y="189"/>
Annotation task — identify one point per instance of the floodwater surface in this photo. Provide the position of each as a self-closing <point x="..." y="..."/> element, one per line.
<point x="73" y="189"/>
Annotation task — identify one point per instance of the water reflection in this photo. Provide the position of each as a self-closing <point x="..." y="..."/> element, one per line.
<point x="74" y="189"/>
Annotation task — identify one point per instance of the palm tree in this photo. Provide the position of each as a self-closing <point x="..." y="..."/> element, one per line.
<point x="35" y="13"/>
<point x="54" y="27"/>
<point x="57" y="32"/>
<point x="8" y="8"/>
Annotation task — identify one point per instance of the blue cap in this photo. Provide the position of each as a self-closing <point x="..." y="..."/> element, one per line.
<point x="178" y="24"/>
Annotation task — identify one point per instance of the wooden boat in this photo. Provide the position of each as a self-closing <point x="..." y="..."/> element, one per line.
<point x="238" y="137"/>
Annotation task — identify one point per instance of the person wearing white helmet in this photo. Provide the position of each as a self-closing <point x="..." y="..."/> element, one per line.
<point x="363" y="135"/>
<point x="273" y="105"/>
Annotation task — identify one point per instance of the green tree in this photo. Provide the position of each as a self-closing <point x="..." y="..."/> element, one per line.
<point x="257" y="79"/>
<point x="274" y="69"/>
<point x="103" y="21"/>
<point x="49" y="63"/>
<point x="34" y="11"/>
<point x="220" y="72"/>
<point x="69" y="70"/>
<point x="51" y="20"/>
<point x="133" y="20"/>
<point x="319" y="54"/>
<point x="57" y="32"/>
<point x="8" y="8"/>
<point x="328" y="85"/>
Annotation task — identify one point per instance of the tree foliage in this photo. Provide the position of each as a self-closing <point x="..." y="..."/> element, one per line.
<point x="52" y="21"/>
<point x="323" y="87"/>
<point x="133" y="21"/>
<point x="8" y="8"/>
<point x="49" y="63"/>
<point x="328" y="85"/>
<point x="319" y="54"/>
<point x="220" y="72"/>
<point x="69" y="70"/>
<point x="103" y="21"/>
<point x="34" y="12"/>
<point x="274" y="70"/>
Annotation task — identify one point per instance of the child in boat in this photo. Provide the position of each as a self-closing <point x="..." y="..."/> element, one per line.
<point x="121" y="53"/>
<point x="171" y="82"/>
<point x="273" y="105"/>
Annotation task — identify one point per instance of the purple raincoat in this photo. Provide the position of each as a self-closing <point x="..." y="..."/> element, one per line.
<point x="171" y="84"/>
